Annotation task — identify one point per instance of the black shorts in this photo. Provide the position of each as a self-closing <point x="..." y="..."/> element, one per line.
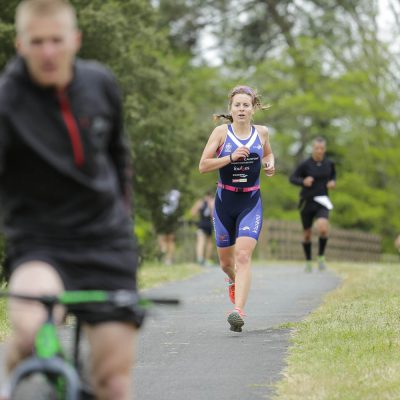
<point x="206" y="228"/>
<point x="109" y="266"/>
<point x="311" y="210"/>
<point x="167" y="225"/>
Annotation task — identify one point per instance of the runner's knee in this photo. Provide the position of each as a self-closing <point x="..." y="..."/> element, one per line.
<point x="114" y="386"/>
<point x="112" y="352"/>
<point x="323" y="228"/>
<point x="307" y="235"/>
<point x="242" y="257"/>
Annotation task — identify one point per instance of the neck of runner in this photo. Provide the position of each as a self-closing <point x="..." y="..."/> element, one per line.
<point x="242" y="129"/>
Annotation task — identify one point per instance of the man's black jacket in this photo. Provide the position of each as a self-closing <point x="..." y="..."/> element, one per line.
<point x="322" y="172"/>
<point x="64" y="163"/>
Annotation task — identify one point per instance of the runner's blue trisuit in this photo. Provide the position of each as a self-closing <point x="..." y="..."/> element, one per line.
<point x="238" y="207"/>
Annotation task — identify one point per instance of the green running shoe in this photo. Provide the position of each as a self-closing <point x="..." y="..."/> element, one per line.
<point x="321" y="263"/>
<point x="308" y="267"/>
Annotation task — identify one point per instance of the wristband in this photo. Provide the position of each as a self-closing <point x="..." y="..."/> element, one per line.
<point x="230" y="157"/>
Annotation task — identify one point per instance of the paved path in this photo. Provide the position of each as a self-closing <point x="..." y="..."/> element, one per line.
<point x="190" y="353"/>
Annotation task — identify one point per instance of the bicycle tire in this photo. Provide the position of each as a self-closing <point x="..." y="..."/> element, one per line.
<point x="35" y="386"/>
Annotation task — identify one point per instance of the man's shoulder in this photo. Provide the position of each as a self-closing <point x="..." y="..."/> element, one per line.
<point x="305" y="161"/>
<point x="8" y="88"/>
<point x="91" y="69"/>
<point x="328" y="161"/>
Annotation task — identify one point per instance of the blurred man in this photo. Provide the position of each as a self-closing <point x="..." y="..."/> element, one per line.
<point x="65" y="188"/>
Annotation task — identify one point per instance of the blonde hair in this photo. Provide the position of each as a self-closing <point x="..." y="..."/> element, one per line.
<point x="242" y="89"/>
<point x="28" y="8"/>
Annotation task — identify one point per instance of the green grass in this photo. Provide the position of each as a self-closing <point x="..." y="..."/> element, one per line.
<point x="349" y="348"/>
<point x="3" y="320"/>
<point x="151" y="275"/>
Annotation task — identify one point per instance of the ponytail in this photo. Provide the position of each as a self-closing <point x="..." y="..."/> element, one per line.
<point x="217" y="117"/>
<point x="255" y="98"/>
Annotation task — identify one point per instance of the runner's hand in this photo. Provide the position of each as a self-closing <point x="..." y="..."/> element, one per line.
<point x="241" y="153"/>
<point x="331" y="184"/>
<point x="307" y="182"/>
<point x="269" y="168"/>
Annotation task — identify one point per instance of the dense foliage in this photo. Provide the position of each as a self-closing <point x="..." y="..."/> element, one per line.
<point x="322" y="65"/>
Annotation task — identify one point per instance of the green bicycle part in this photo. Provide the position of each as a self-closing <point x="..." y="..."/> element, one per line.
<point x="92" y="296"/>
<point x="145" y="303"/>
<point x="61" y="387"/>
<point x="47" y="344"/>
<point x="82" y="296"/>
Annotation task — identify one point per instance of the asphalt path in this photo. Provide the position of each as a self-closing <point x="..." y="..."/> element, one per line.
<point x="188" y="352"/>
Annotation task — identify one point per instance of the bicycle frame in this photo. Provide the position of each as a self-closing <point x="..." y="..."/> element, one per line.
<point x="48" y="355"/>
<point x="48" y="359"/>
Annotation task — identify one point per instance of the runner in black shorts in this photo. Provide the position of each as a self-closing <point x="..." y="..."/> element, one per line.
<point x="316" y="175"/>
<point x="65" y="188"/>
<point x="204" y="208"/>
<point x="167" y="223"/>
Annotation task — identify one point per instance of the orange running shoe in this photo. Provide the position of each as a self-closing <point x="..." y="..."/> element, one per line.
<point x="235" y="320"/>
<point x="231" y="291"/>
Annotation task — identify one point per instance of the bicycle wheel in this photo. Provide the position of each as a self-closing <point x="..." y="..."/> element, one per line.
<point x="35" y="386"/>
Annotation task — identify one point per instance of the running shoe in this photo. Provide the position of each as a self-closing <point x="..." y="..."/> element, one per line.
<point x="231" y="291"/>
<point x="308" y="267"/>
<point x="321" y="263"/>
<point x="235" y="320"/>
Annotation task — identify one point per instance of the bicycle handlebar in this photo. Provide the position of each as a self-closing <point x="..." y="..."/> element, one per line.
<point x="117" y="298"/>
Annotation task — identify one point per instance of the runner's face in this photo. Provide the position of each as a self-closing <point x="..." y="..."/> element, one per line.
<point x="242" y="108"/>
<point x="48" y="45"/>
<point x="318" y="150"/>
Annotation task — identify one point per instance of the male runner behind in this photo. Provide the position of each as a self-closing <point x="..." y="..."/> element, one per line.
<point x="65" y="188"/>
<point x="316" y="176"/>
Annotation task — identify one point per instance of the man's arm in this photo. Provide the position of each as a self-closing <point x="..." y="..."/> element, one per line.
<point x="297" y="177"/>
<point x="3" y="143"/>
<point x="332" y="178"/>
<point x="333" y="172"/>
<point x="119" y="148"/>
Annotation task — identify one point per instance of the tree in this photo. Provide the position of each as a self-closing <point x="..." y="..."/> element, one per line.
<point x="326" y="71"/>
<point x="125" y="35"/>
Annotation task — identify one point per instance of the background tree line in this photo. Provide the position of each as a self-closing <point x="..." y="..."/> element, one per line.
<point x="323" y="66"/>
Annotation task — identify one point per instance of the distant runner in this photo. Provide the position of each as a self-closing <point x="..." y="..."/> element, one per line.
<point x="203" y="208"/>
<point x="316" y="175"/>
<point x="238" y="150"/>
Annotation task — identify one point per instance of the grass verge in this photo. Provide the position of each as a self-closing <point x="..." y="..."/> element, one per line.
<point x="151" y="275"/>
<point x="349" y="348"/>
<point x="4" y="327"/>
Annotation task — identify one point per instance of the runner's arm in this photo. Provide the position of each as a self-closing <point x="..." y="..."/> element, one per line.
<point x="195" y="209"/>
<point x="208" y="161"/>
<point x="268" y="160"/>
<point x="297" y="177"/>
<point x="332" y="179"/>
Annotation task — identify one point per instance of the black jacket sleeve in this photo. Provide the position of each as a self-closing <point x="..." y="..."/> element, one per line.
<point x="333" y="172"/>
<point x="298" y="175"/>
<point x="4" y="137"/>
<point x="119" y="148"/>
